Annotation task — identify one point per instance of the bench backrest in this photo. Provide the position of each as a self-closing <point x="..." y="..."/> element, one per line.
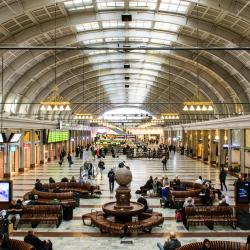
<point x="68" y="185"/>
<point x="209" y="211"/>
<point x="51" y="196"/>
<point x="185" y="194"/>
<point x="42" y="209"/>
<point x="20" y="245"/>
<point x="216" y="245"/>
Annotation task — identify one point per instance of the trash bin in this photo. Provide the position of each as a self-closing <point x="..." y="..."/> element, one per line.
<point x="67" y="212"/>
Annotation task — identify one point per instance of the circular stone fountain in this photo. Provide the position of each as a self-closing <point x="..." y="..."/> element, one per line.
<point x="123" y="215"/>
<point x="123" y="209"/>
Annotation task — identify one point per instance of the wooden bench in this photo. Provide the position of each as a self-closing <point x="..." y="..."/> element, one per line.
<point x="85" y="190"/>
<point x="216" y="245"/>
<point x="20" y="245"/>
<point x="107" y="226"/>
<point x="47" y="197"/>
<point x="210" y="216"/>
<point x="51" y="214"/>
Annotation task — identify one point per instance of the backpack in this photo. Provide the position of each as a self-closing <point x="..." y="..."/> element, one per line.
<point x="178" y="216"/>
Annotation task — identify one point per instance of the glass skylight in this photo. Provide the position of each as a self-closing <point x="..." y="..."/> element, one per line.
<point x="115" y="39"/>
<point x="160" y="41"/>
<point x="178" y="6"/>
<point x="138" y="39"/>
<point x="125" y="113"/>
<point x="78" y="4"/>
<point x="112" y="24"/>
<point x="166" y="26"/>
<point x="150" y="4"/>
<point x="87" y="26"/>
<point x="96" y="52"/>
<point x="140" y="24"/>
<point x="92" y="41"/>
<point x="102" y="4"/>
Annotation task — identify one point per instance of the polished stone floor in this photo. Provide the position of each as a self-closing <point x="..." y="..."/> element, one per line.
<point x="74" y="235"/>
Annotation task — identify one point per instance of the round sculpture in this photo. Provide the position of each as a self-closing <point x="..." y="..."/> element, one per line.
<point x="123" y="176"/>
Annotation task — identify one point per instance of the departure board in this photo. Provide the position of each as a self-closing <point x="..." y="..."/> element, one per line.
<point x="57" y="136"/>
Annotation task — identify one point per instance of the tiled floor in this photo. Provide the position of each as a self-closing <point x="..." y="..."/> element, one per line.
<point x="74" y="235"/>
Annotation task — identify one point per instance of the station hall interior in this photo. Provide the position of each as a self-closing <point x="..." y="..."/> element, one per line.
<point x="125" y="124"/>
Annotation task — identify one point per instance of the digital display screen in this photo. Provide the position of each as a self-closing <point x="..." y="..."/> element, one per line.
<point x="15" y="137"/>
<point x="242" y="192"/>
<point x="5" y="191"/>
<point x="2" y="137"/>
<point x="57" y="136"/>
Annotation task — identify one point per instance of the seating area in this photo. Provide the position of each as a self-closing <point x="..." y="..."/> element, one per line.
<point x="20" y="245"/>
<point x="65" y="198"/>
<point x="210" y="216"/>
<point x="49" y="214"/>
<point x="145" y="224"/>
<point x="85" y="190"/>
<point x="216" y="245"/>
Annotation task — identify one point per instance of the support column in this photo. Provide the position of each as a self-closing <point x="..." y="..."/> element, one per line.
<point x="55" y="150"/>
<point x="205" y="145"/>
<point x="221" y="151"/>
<point x="242" y="151"/>
<point x="184" y="138"/>
<point x="212" y="145"/>
<point x="49" y="153"/>
<point x="41" y="151"/>
<point x="198" y="141"/>
<point x="32" y="148"/>
<point x="229" y="139"/>
<point x="194" y="143"/>
<point x="6" y="161"/>
<point x="21" y="154"/>
<point x="189" y="141"/>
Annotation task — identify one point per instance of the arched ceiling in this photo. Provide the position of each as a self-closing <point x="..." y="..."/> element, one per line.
<point x="94" y="81"/>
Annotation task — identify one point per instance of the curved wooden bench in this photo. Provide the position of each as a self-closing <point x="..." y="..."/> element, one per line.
<point x="216" y="245"/>
<point x="47" y="197"/>
<point x="210" y="216"/>
<point x="51" y="214"/>
<point x="84" y="190"/>
<point x="20" y="245"/>
<point x="98" y="219"/>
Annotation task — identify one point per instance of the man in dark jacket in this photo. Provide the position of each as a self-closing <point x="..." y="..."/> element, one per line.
<point x="33" y="240"/>
<point x="111" y="176"/>
<point x="38" y="185"/>
<point x="223" y="176"/>
<point x="172" y="244"/>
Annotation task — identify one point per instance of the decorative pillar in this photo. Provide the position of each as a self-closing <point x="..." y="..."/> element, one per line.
<point x="184" y="138"/>
<point x="6" y="160"/>
<point x="221" y="150"/>
<point x="205" y="145"/>
<point x="32" y="149"/>
<point x="194" y="143"/>
<point x="242" y="151"/>
<point x="21" y="154"/>
<point x="198" y="141"/>
<point x="55" y="150"/>
<point x="41" y="150"/>
<point x="229" y="139"/>
<point x="212" y="145"/>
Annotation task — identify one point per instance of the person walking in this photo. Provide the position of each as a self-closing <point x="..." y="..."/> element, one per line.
<point x="111" y="176"/>
<point x="101" y="166"/>
<point x="164" y="163"/>
<point x="223" y="176"/>
<point x="69" y="159"/>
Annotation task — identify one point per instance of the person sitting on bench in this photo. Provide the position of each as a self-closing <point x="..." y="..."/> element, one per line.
<point x="143" y="201"/>
<point x="147" y="186"/>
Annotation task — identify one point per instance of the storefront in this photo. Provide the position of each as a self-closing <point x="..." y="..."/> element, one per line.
<point x="26" y="150"/>
<point x="1" y="161"/>
<point x="14" y="157"/>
